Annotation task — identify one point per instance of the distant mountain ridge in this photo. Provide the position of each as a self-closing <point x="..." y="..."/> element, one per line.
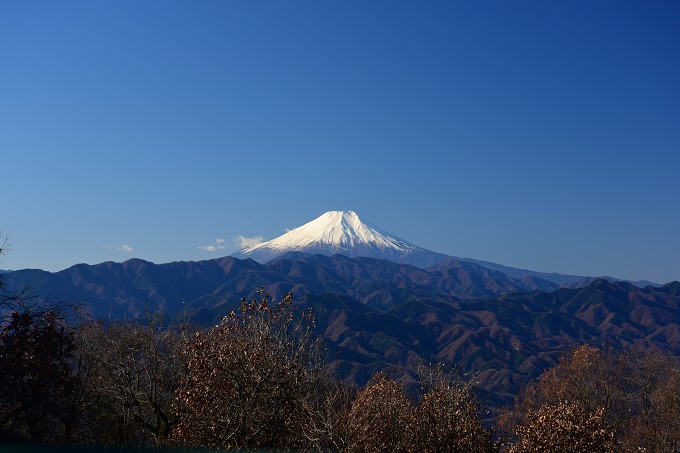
<point x="563" y="280"/>
<point x="128" y="288"/>
<point x="376" y="313"/>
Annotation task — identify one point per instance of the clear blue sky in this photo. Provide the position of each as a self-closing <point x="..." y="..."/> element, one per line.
<point x="536" y="134"/>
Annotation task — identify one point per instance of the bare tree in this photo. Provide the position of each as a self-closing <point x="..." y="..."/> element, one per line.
<point x="651" y="383"/>
<point x="35" y="376"/>
<point x="586" y="374"/>
<point x="37" y="346"/>
<point x="665" y="427"/>
<point x="635" y="392"/>
<point x="253" y="379"/>
<point x="85" y="403"/>
<point x="567" y="427"/>
<point x="12" y="301"/>
<point x="447" y="418"/>
<point x="380" y="417"/>
<point x="328" y="409"/>
<point x="139" y="368"/>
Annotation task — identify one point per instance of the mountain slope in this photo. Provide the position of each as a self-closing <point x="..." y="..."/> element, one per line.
<point x="376" y="313"/>
<point x="344" y="233"/>
<point x="503" y="341"/>
<point x="128" y="289"/>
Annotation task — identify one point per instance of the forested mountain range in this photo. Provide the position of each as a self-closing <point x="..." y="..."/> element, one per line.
<point x="377" y="314"/>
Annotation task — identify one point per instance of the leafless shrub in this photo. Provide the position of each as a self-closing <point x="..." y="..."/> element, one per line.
<point x="380" y="418"/>
<point x="564" y="428"/>
<point x="253" y="380"/>
<point x="585" y="375"/>
<point x="138" y="370"/>
<point x="328" y="410"/>
<point x="447" y="416"/>
<point x="651" y="384"/>
<point x="635" y="392"/>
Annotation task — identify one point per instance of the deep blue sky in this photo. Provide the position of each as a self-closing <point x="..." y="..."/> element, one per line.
<point x="536" y="134"/>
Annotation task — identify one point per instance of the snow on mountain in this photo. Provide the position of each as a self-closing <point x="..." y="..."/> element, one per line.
<point x="344" y="233"/>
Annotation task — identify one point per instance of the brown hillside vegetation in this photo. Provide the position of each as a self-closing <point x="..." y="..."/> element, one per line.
<point x="633" y="395"/>
<point x="505" y="341"/>
<point x="258" y="380"/>
<point x="375" y="314"/>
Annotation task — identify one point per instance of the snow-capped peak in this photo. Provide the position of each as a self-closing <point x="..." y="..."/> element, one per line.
<point x="338" y="230"/>
<point x="341" y="232"/>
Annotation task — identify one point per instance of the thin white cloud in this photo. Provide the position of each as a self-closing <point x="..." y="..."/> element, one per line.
<point x="219" y="245"/>
<point x="243" y="242"/>
<point x="121" y="248"/>
<point x="125" y="248"/>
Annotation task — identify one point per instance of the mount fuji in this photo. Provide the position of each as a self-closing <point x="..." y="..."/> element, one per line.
<point x="343" y="233"/>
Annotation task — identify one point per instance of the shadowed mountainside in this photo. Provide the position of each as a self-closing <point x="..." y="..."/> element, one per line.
<point x="504" y="340"/>
<point x="376" y="314"/>
<point x="129" y="288"/>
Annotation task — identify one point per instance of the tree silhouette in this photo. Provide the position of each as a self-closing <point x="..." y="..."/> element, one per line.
<point x="36" y="349"/>
<point x="138" y="368"/>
